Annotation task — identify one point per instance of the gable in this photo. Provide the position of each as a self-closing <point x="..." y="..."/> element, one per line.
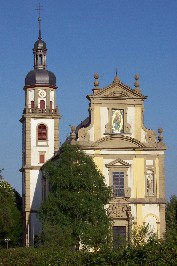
<point x="118" y="162"/>
<point x="118" y="91"/>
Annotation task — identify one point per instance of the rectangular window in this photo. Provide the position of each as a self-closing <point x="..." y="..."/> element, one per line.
<point x="119" y="235"/>
<point x="42" y="104"/>
<point x="118" y="184"/>
<point x="41" y="158"/>
<point x="50" y="105"/>
<point x="32" y="104"/>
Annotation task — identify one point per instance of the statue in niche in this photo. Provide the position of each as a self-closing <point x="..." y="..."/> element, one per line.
<point x="150" y="183"/>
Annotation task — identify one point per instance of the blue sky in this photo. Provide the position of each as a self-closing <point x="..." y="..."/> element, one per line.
<point x="84" y="37"/>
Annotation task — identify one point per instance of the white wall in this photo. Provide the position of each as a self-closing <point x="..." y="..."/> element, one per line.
<point x="44" y="146"/>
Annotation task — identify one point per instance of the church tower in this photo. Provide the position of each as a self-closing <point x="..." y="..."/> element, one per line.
<point x="40" y="135"/>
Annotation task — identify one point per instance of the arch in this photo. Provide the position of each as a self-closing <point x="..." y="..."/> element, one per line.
<point x="151" y="214"/>
<point x="42" y="132"/>
<point x="153" y="221"/>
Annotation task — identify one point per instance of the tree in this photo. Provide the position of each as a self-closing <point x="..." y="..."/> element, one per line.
<point x="142" y="234"/>
<point x="74" y="212"/>
<point x="171" y="219"/>
<point x="10" y="216"/>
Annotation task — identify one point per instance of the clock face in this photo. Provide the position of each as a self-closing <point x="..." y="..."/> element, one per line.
<point x="42" y="93"/>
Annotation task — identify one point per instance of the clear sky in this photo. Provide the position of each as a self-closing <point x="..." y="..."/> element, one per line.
<point x="84" y="37"/>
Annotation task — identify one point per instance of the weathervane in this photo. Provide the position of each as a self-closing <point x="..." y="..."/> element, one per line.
<point x="39" y="19"/>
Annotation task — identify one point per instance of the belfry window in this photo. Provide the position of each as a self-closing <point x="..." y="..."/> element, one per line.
<point x="42" y="104"/>
<point x="118" y="184"/>
<point x="42" y="132"/>
<point x="40" y="59"/>
<point x="51" y="105"/>
<point x="32" y="104"/>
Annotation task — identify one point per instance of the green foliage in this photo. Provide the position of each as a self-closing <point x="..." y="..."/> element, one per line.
<point x="153" y="253"/>
<point x="171" y="219"/>
<point x="74" y="211"/>
<point x="10" y="216"/>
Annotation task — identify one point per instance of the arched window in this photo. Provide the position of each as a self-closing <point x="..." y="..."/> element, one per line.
<point x="42" y="132"/>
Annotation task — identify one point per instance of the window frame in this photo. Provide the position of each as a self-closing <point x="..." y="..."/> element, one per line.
<point x="119" y="168"/>
<point x="126" y="126"/>
<point x="42" y="133"/>
<point x="117" y="242"/>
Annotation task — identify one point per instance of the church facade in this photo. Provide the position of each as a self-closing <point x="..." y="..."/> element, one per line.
<point x="130" y="156"/>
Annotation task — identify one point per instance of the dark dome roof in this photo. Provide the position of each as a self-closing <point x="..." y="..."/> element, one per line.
<point x="40" y="76"/>
<point x="39" y="44"/>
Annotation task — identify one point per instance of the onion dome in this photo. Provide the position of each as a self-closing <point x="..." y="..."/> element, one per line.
<point x="40" y="77"/>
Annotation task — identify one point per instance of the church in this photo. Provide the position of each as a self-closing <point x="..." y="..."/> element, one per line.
<point x="130" y="156"/>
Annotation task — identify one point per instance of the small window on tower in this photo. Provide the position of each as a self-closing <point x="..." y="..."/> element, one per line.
<point x="32" y="104"/>
<point x="41" y="158"/>
<point x="42" y="104"/>
<point x="51" y="105"/>
<point x="42" y="132"/>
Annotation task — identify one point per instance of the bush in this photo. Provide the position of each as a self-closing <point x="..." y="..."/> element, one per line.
<point x="153" y="253"/>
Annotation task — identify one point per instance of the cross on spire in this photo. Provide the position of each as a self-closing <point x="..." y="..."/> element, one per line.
<point x="39" y="9"/>
<point x="39" y="20"/>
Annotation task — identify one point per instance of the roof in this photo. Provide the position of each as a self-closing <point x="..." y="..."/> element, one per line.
<point x="40" y="76"/>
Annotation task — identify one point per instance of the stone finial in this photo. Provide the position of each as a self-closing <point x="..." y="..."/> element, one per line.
<point x="73" y="133"/>
<point x="160" y="137"/>
<point x="96" y="77"/>
<point x="136" y="84"/>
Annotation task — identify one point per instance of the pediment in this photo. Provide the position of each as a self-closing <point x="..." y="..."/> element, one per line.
<point x="118" y="162"/>
<point x="117" y="141"/>
<point x="117" y="90"/>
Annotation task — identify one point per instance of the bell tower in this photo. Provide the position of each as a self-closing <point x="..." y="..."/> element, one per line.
<point x="40" y="135"/>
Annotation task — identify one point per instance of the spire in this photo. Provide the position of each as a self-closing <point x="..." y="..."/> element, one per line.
<point x="39" y="20"/>
<point x="40" y="36"/>
<point x="39" y="49"/>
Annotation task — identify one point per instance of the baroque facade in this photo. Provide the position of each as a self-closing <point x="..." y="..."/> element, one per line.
<point x="130" y="156"/>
